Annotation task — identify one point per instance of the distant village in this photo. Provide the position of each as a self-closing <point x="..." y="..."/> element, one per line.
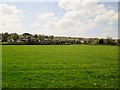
<point x="40" y="39"/>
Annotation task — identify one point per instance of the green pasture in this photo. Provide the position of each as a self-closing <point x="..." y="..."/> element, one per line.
<point x="59" y="66"/>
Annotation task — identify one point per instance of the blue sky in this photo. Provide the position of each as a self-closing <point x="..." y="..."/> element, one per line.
<point x="59" y="18"/>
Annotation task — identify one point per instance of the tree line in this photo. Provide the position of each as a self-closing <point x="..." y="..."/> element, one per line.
<point x="41" y="39"/>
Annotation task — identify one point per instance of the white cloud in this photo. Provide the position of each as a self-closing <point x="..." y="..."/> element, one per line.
<point x="46" y="17"/>
<point x="10" y="18"/>
<point x="77" y="5"/>
<point x="79" y="20"/>
<point x="35" y="24"/>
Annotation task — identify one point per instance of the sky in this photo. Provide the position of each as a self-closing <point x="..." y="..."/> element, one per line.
<point x="60" y="18"/>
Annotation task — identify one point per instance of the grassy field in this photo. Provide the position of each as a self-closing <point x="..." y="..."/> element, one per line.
<point x="60" y="66"/>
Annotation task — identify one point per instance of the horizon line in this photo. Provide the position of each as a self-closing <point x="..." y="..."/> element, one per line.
<point x="60" y="35"/>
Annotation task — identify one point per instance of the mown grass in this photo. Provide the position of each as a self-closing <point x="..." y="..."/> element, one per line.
<point x="60" y="66"/>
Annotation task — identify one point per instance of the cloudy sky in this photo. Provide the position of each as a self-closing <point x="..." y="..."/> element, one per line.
<point x="61" y="18"/>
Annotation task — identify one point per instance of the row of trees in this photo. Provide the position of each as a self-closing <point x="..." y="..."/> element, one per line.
<point x="27" y="38"/>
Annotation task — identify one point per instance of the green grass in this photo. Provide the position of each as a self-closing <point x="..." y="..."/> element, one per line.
<point x="60" y="66"/>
